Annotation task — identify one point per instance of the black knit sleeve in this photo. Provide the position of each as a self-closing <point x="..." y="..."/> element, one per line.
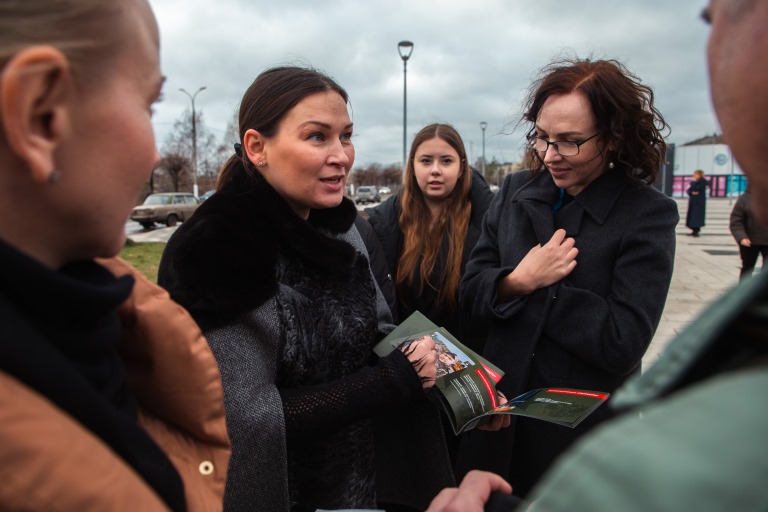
<point x="323" y="408"/>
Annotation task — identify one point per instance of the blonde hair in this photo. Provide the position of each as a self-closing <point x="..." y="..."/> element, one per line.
<point x="698" y="173"/>
<point x="87" y="32"/>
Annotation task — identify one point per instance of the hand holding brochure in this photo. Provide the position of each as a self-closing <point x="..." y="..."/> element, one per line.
<point x="466" y="383"/>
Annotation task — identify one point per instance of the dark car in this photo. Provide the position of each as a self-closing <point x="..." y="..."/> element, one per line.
<point x="166" y="208"/>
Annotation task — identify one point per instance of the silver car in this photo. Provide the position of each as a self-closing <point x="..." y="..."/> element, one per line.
<point x="167" y="208"/>
<point x="367" y="194"/>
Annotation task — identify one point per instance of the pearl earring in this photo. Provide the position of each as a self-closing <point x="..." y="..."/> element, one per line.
<point x="610" y="165"/>
<point x="54" y="177"/>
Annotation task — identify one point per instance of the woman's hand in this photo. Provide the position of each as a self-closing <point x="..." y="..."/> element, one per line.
<point x="497" y="421"/>
<point x="472" y="493"/>
<point x="542" y="266"/>
<point x="746" y="242"/>
<point x="422" y="353"/>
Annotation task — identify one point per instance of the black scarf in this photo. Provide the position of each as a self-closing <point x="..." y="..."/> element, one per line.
<point x="60" y="338"/>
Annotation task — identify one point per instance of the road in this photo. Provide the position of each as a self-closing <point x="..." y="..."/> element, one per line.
<point x="132" y="227"/>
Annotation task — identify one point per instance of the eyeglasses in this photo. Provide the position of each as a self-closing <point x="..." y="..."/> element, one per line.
<point x="563" y="147"/>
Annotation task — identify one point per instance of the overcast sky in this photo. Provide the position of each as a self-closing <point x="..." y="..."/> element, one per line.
<point x="473" y="60"/>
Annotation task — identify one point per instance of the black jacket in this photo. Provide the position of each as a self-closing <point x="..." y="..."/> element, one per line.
<point x="591" y="329"/>
<point x="378" y="262"/>
<point x="469" y="330"/>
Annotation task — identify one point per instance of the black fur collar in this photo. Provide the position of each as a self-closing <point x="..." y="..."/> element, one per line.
<point x="221" y="262"/>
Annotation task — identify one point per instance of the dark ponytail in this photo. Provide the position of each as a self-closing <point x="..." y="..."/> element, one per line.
<point x="236" y="164"/>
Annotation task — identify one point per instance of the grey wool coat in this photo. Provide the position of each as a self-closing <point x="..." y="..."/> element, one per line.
<point x="290" y="309"/>
<point x="589" y="330"/>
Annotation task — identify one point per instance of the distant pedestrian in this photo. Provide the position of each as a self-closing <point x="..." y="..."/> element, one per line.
<point x="697" y="203"/>
<point x="750" y="234"/>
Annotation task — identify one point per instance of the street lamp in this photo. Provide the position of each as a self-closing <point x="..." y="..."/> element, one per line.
<point x="483" y="126"/>
<point x="194" y="139"/>
<point x="405" y="49"/>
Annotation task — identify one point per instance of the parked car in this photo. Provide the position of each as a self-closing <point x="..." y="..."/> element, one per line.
<point x="165" y="208"/>
<point x="367" y="194"/>
<point x="385" y="190"/>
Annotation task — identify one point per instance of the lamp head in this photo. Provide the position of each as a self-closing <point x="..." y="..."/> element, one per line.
<point x="405" y="49"/>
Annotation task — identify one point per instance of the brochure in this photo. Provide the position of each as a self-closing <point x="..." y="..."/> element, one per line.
<point x="466" y="383"/>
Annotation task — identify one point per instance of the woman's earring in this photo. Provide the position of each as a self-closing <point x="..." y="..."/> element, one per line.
<point x="610" y="165"/>
<point x="54" y="177"/>
<point x="260" y="163"/>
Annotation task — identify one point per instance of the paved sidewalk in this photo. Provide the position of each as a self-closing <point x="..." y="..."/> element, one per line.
<point x="152" y="235"/>
<point x="704" y="268"/>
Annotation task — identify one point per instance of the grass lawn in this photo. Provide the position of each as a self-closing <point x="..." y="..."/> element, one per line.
<point x="145" y="256"/>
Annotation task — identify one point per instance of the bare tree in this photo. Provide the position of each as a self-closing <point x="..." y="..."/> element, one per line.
<point x="209" y="154"/>
<point x="175" y="166"/>
<point x="392" y="176"/>
<point x="368" y="175"/>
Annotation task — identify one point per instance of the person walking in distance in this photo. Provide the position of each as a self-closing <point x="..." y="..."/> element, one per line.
<point x="749" y="233"/>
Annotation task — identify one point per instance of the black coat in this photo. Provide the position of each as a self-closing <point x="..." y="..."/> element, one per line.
<point x="697" y="204"/>
<point x="744" y="224"/>
<point x="589" y="330"/>
<point x="384" y="218"/>
<point x="378" y="262"/>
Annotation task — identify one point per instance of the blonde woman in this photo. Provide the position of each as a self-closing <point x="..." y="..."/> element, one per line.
<point x="110" y="398"/>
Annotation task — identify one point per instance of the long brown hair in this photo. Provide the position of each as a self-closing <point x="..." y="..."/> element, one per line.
<point x="267" y="101"/>
<point x="623" y="108"/>
<point x="423" y="236"/>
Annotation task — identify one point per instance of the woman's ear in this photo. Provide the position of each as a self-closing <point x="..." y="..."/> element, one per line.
<point x="33" y="106"/>
<point x="255" y="147"/>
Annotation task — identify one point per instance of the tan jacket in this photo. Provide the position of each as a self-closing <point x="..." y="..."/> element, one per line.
<point x="50" y="462"/>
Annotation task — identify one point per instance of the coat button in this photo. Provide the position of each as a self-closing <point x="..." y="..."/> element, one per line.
<point x="206" y="467"/>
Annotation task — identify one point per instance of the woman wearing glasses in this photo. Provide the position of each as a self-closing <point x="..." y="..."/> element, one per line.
<point x="575" y="257"/>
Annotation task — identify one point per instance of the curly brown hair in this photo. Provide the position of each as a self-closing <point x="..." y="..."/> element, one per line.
<point x="622" y="105"/>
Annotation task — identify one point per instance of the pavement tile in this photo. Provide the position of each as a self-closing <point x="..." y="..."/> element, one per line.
<point x="705" y="267"/>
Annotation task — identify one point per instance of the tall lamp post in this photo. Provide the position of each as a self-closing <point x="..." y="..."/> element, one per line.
<point x="194" y="138"/>
<point x="405" y="49"/>
<point x="483" y="126"/>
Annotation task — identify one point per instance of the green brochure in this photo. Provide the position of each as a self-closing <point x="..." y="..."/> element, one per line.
<point x="466" y="383"/>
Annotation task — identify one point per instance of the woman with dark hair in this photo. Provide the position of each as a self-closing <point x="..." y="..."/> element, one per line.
<point x="428" y="229"/>
<point x="427" y="232"/>
<point x="575" y="257"/>
<point x="278" y="277"/>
